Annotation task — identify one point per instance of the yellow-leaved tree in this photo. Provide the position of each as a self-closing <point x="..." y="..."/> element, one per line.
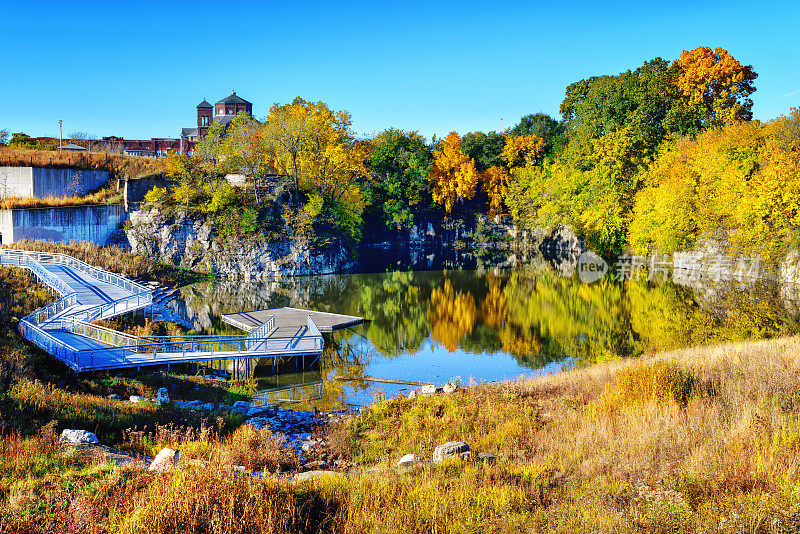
<point x="521" y="151"/>
<point x="716" y="84"/>
<point x="453" y="175"/>
<point x="495" y="184"/>
<point x="517" y="152"/>
<point x="315" y="146"/>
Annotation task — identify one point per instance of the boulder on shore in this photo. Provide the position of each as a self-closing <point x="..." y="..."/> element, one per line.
<point x="165" y="460"/>
<point x="451" y="448"/>
<point x="78" y="436"/>
<point x="451" y="386"/>
<point x="409" y="461"/>
<point x="427" y="390"/>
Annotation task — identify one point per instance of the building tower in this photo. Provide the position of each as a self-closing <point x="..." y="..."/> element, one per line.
<point x="205" y="112"/>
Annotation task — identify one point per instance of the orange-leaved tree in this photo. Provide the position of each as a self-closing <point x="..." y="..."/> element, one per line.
<point x="495" y="184"/>
<point x="453" y="175"/>
<point x="716" y="84"/>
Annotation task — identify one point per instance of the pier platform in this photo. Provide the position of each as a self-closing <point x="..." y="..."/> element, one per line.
<point x="291" y="318"/>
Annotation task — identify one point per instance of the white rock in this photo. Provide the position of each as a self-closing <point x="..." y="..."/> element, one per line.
<point x="451" y="448"/>
<point x="163" y="396"/>
<point x="165" y="460"/>
<point x="451" y="386"/>
<point x="427" y="390"/>
<point x="409" y="460"/>
<point x="78" y="436"/>
<point x="413" y="394"/>
<point x="135" y="399"/>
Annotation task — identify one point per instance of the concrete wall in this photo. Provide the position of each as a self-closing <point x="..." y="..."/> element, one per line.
<point x="64" y="225"/>
<point x="134" y="190"/>
<point x="44" y="182"/>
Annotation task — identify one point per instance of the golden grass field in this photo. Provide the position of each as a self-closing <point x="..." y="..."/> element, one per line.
<point x="694" y="440"/>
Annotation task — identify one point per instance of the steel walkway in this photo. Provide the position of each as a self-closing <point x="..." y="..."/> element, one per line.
<point x="64" y="328"/>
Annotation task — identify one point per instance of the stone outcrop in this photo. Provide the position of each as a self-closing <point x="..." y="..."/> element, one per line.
<point x="190" y="241"/>
<point x="165" y="460"/>
<point x="450" y="449"/>
<point x="76" y="437"/>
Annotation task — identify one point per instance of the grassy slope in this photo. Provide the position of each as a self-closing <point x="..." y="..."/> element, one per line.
<point x="697" y="440"/>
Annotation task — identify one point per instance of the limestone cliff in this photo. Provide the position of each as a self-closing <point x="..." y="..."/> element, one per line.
<point x="189" y="241"/>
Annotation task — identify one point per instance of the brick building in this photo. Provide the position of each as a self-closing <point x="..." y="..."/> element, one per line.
<point x="223" y="111"/>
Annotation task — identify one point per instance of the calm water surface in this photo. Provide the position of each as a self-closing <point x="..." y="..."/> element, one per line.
<point x="489" y="325"/>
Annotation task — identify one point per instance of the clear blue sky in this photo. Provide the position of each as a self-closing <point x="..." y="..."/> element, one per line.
<point x="138" y="69"/>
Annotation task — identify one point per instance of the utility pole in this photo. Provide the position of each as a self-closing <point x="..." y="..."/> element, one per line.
<point x="60" y="137"/>
<point x="501" y="124"/>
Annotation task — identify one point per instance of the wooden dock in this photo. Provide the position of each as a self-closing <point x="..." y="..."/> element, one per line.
<point x="287" y="317"/>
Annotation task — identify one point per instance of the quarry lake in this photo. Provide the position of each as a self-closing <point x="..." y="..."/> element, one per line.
<point x="487" y="324"/>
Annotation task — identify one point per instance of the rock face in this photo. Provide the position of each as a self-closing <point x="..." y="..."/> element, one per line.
<point x="163" y="396"/>
<point x="449" y="449"/>
<point x="190" y="241"/>
<point x="78" y="436"/>
<point x="165" y="460"/>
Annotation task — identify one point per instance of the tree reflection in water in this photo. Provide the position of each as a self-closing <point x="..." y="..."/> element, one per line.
<point x="522" y="319"/>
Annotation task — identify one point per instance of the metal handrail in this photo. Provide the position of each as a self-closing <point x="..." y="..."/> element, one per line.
<point x="117" y="307"/>
<point x="99" y="333"/>
<point x="46" y="313"/>
<point x="263" y="329"/>
<point x="123" y="346"/>
<point x="315" y="333"/>
<point x="49" y="343"/>
<point x="64" y="259"/>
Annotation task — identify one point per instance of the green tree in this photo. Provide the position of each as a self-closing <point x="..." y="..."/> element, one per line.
<point x="540" y="125"/>
<point x="485" y="149"/>
<point x="400" y="165"/>
<point x="21" y="140"/>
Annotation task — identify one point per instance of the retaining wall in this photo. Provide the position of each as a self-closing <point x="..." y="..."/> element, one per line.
<point x="94" y="224"/>
<point x="42" y="182"/>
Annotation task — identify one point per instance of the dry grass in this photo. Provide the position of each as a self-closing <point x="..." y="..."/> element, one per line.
<point x="696" y="440"/>
<point x="116" y="260"/>
<point x="104" y="196"/>
<point x="118" y="166"/>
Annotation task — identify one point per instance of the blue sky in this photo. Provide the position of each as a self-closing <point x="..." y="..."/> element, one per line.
<point x="139" y="69"/>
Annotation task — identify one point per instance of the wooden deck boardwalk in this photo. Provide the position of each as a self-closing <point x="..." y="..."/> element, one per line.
<point x="288" y="317"/>
<point x="64" y="328"/>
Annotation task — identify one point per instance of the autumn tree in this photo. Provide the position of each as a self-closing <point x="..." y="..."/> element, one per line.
<point x="521" y="151"/>
<point x="715" y="83"/>
<point x="453" y="175"/>
<point x="495" y="184"/>
<point x="316" y="147"/>
<point x="244" y="149"/>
